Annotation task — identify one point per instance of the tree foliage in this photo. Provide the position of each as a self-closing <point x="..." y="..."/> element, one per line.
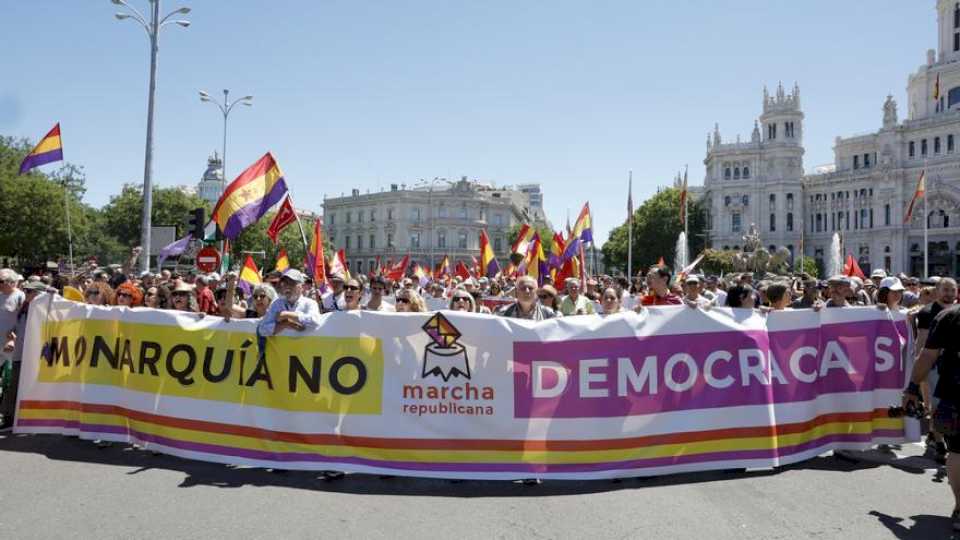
<point x="656" y="227"/>
<point x="171" y="207"/>
<point x="254" y="239"/>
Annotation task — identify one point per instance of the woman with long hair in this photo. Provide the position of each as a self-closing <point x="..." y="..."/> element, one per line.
<point x="408" y="301"/>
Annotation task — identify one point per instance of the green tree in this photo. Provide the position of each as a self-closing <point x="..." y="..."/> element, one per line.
<point x="171" y="207"/>
<point x="656" y="226"/>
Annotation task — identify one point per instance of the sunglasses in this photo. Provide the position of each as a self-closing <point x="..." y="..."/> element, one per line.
<point x="352" y="288"/>
<point x="150" y="294"/>
<point x="403" y="300"/>
<point x="259" y="296"/>
<point x="180" y="296"/>
<point x="461" y="299"/>
<point x="545" y="296"/>
<point x="124" y="295"/>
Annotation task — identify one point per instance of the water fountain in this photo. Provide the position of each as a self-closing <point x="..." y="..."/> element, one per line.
<point x="681" y="256"/>
<point x="835" y="262"/>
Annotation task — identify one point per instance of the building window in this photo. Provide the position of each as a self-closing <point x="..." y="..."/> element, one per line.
<point x="442" y="239"/>
<point x="415" y="240"/>
<point x="746" y="172"/>
<point x="953" y="96"/>
<point x="866" y="161"/>
<point x="833" y="221"/>
<point x="497" y="244"/>
<point x="936" y="145"/>
<point x="771" y="131"/>
<point x="373" y="242"/>
<point x="463" y="212"/>
<point x="871" y="218"/>
<point x="856" y="162"/>
<point x="923" y="147"/>
<point x="949" y="144"/>
<point x="913" y="149"/>
<point x="389" y="214"/>
<point x="846" y="216"/>
<point x="373" y="215"/>
<point x="886" y="215"/>
<point x="359" y="267"/>
<point x="811" y="222"/>
<point x="773" y="222"/>
<point x="736" y="173"/>
<point x="415" y="214"/>
<point x="726" y="201"/>
<point x="349" y="214"/>
<point x="819" y="222"/>
<point x="442" y="211"/>
<point x="746" y="200"/>
<point x="789" y="201"/>
<point x="359" y="241"/>
<point x="726" y="173"/>
<point x="956" y="42"/>
<point x="788" y="129"/>
<point x="462" y="240"/>
<point x="359" y="216"/>
<point x="773" y="201"/>
<point x="790" y="222"/>
<point x="389" y="240"/>
<point x="346" y="238"/>
<point x="333" y="218"/>
<point x="735" y="222"/>
<point x="498" y="219"/>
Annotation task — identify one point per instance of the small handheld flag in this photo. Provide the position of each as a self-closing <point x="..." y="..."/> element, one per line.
<point x="285" y="216"/>
<point x="283" y="262"/>
<point x="48" y="150"/>
<point x="249" y="276"/>
<point x="921" y="189"/>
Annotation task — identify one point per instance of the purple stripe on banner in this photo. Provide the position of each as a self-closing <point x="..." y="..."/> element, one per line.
<point x="626" y="376"/>
<point x="250" y="213"/>
<point x="37" y="160"/>
<point x="287" y="457"/>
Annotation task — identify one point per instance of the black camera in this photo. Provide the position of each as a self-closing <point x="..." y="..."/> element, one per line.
<point x="914" y="409"/>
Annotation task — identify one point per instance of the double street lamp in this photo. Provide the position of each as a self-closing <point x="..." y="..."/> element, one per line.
<point x="152" y="27"/>
<point x="225" y="107"/>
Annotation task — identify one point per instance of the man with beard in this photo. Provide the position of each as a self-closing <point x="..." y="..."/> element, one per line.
<point x="291" y="310"/>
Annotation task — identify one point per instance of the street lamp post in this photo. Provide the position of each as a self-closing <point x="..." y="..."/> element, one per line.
<point x="225" y="108"/>
<point x="152" y="27"/>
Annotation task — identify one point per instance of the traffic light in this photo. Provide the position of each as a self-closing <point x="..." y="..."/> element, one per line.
<point x="197" y="222"/>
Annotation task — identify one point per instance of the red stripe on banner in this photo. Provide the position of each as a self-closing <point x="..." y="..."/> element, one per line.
<point x="459" y="444"/>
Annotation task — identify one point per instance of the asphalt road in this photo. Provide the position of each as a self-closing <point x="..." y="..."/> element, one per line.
<point x="55" y="487"/>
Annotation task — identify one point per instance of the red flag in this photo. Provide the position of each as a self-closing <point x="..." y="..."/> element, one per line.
<point x="462" y="270"/>
<point x="475" y="269"/>
<point x="851" y="268"/>
<point x="397" y="271"/>
<point x="285" y="216"/>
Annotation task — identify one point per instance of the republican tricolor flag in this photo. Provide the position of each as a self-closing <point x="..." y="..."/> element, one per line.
<point x="249" y="276"/>
<point x="48" y="150"/>
<point x="524" y="237"/>
<point x="488" y="261"/>
<point x="249" y="197"/>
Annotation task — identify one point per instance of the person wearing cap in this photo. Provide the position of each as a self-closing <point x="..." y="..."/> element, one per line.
<point x="182" y="299"/>
<point x="9" y="402"/>
<point x="839" y="290"/>
<point x="876" y="277"/>
<point x="548" y="297"/>
<point x="291" y="310"/>
<point x="691" y="293"/>
<point x="911" y="296"/>
<point x="575" y="303"/>
<point x="889" y="294"/>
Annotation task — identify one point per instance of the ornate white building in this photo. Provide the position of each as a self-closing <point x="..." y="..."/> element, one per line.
<point x="864" y="195"/>
<point x="211" y="185"/>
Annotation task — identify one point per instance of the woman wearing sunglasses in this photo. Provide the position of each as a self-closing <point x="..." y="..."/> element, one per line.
<point x="462" y="301"/>
<point x="151" y="298"/>
<point x="181" y="298"/>
<point x="548" y="297"/>
<point x="352" y="293"/>
<point x="263" y="296"/>
<point x="128" y="295"/>
<point x="408" y="301"/>
<point x="98" y="293"/>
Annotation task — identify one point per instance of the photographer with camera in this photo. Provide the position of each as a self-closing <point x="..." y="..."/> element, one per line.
<point x="943" y="349"/>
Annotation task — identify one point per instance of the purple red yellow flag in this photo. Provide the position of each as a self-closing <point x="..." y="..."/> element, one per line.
<point x="488" y="261"/>
<point x="48" y="150"/>
<point x="524" y="237"/>
<point x="249" y="197"/>
<point x="249" y="276"/>
<point x="283" y="262"/>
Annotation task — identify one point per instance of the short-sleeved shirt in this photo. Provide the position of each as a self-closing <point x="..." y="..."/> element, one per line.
<point x="10" y="305"/>
<point x="569" y="306"/>
<point x="539" y="312"/>
<point x="927" y="314"/>
<point x="669" y="299"/>
<point x="943" y="337"/>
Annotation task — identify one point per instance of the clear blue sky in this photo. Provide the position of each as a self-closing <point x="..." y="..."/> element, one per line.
<point x="362" y="94"/>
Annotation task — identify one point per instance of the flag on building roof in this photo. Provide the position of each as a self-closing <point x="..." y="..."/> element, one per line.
<point x="921" y="189"/>
<point x="249" y="197"/>
<point x="249" y="276"/>
<point x="48" y="150"/>
<point x="285" y="216"/>
<point x="283" y="262"/>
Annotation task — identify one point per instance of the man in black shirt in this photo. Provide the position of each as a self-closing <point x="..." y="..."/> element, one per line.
<point x="946" y="296"/>
<point x="943" y="346"/>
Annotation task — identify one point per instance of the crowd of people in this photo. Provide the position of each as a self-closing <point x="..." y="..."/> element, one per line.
<point x="291" y="300"/>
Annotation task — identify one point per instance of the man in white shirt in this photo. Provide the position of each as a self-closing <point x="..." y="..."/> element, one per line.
<point x="291" y="310"/>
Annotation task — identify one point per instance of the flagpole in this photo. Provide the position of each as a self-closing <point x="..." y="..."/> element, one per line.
<point x="630" y="230"/>
<point x="686" y="216"/>
<point x="926" y="245"/>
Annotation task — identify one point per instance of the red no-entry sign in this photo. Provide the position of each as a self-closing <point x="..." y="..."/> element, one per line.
<point x="208" y="259"/>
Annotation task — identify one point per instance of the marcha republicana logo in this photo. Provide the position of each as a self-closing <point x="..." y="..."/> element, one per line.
<point x="444" y="358"/>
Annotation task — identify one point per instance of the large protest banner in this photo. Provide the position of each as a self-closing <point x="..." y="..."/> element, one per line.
<point x="469" y="396"/>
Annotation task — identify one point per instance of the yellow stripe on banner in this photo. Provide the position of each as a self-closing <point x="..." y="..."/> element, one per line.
<point x="308" y="373"/>
<point x="472" y="456"/>
<point x="46" y="145"/>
